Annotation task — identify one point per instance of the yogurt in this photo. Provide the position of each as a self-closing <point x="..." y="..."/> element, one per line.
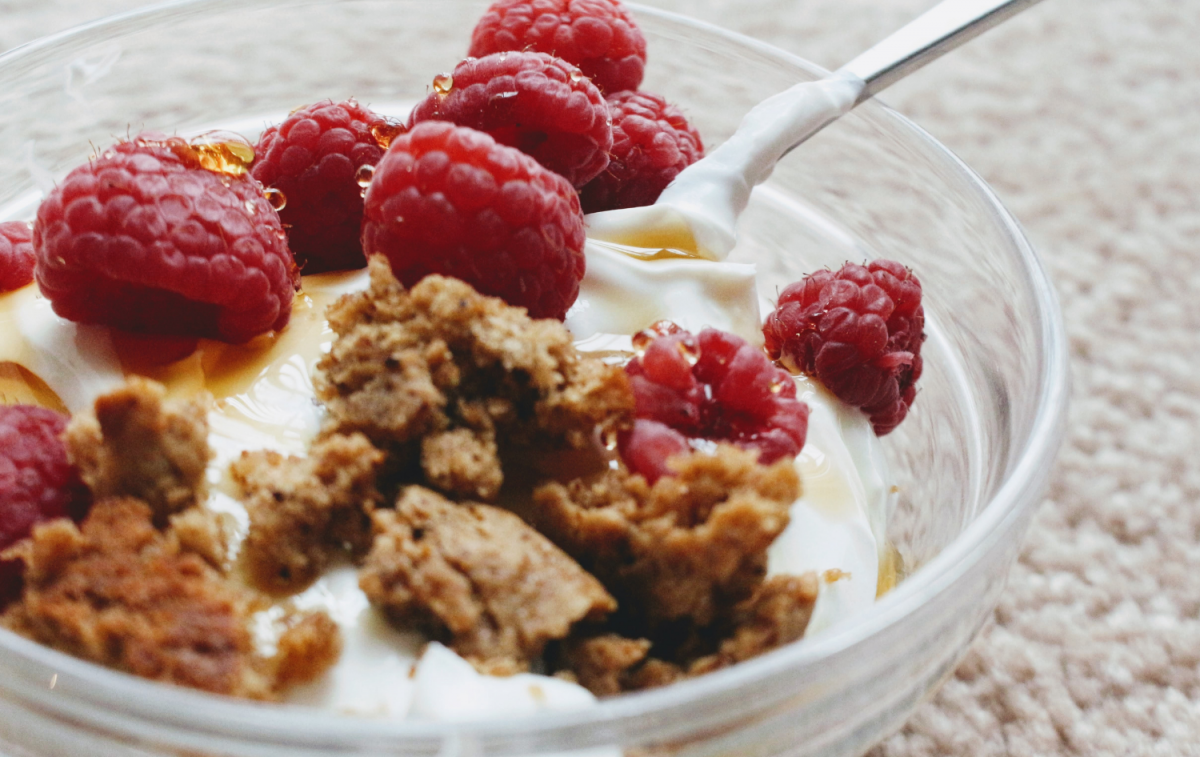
<point x="264" y="400"/>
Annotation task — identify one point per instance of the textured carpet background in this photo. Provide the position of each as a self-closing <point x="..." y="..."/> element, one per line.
<point x="1085" y="117"/>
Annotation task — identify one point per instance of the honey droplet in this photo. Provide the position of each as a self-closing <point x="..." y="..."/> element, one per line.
<point x="276" y="198"/>
<point x="364" y="174"/>
<point x="250" y="207"/>
<point x="576" y="75"/>
<point x="642" y="340"/>
<point x="383" y="132"/>
<point x="223" y="152"/>
<point x="689" y="349"/>
<point x="443" y="83"/>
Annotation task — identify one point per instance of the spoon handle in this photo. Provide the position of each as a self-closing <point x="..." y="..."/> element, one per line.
<point x="927" y="37"/>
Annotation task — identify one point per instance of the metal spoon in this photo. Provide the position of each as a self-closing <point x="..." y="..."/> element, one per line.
<point x="698" y="212"/>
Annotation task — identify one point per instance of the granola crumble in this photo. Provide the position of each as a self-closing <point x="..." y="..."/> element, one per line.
<point x="413" y="365"/>
<point x="476" y="577"/>
<point x="305" y="509"/>
<point x="687" y="548"/>
<point x="138" y="444"/>
<point x="119" y="592"/>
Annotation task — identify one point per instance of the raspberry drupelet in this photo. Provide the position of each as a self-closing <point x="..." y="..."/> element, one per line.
<point x="652" y="143"/>
<point x="37" y="482"/>
<point x="147" y="239"/>
<point x="313" y="158"/>
<point x="535" y="102"/>
<point x="598" y="36"/>
<point x="16" y="255"/>
<point x="711" y="386"/>
<point x="859" y="332"/>
<point x="448" y="199"/>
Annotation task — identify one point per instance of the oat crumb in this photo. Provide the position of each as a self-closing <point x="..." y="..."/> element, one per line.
<point x="477" y="578"/>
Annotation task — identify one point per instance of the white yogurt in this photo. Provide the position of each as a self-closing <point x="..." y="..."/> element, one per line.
<point x="268" y="403"/>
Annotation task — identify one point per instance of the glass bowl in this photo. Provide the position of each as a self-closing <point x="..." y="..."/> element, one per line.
<point x="971" y="462"/>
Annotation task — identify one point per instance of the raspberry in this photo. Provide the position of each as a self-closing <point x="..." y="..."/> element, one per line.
<point x="313" y="157"/>
<point x="537" y="103"/>
<point x="37" y="483"/>
<point x="448" y="199"/>
<point x="652" y="143"/>
<point x="712" y="386"/>
<point x="144" y="239"/>
<point x="16" y="255"/>
<point x="858" y="332"/>
<point x="599" y="36"/>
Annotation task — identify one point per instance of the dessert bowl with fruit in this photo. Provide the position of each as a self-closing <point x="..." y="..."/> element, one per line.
<point x="485" y="532"/>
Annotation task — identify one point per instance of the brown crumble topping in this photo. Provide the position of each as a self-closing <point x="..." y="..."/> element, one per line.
<point x="687" y="548"/>
<point x="138" y="444"/>
<point x="118" y="591"/>
<point x="416" y="365"/>
<point x="444" y="387"/>
<point x="476" y="577"/>
<point x="608" y="663"/>
<point x="304" y="510"/>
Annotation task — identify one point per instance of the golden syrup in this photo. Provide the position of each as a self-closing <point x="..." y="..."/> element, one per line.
<point x="891" y="570"/>
<point x="223" y="152"/>
<point x="20" y="387"/>
<point x="689" y="350"/>
<point x="660" y="242"/>
<point x="275" y="198"/>
<point x="383" y="132"/>
<point x="364" y="174"/>
<point x="443" y="84"/>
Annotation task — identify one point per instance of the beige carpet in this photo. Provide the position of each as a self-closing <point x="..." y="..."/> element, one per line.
<point x="1085" y="116"/>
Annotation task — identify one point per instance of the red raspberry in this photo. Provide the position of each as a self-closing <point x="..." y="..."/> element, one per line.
<point x="447" y="199"/>
<point x="144" y="239"/>
<point x="652" y="143"/>
<point x="537" y="103"/>
<point x="858" y="332"/>
<point x="599" y="36"/>
<point x="37" y="483"/>
<point x="712" y="386"/>
<point x="16" y="255"/>
<point x="313" y="158"/>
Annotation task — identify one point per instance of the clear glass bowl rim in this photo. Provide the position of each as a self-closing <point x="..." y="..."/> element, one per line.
<point x="638" y="715"/>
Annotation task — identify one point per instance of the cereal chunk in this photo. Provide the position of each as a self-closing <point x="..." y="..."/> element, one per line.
<point x="441" y="358"/>
<point x="609" y="663"/>
<point x="476" y="577"/>
<point x="139" y="444"/>
<point x="304" y="509"/>
<point x="777" y="614"/>
<point x="119" y="592"/>
<point x="687" y="548"/>
<point x="601" y="663"/>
